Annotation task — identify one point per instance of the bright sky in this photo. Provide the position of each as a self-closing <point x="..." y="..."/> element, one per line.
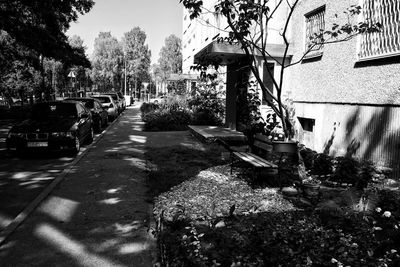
<point x="158" y="19"/>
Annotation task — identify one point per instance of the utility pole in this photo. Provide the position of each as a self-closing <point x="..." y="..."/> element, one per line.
<point x="124" y="73"/>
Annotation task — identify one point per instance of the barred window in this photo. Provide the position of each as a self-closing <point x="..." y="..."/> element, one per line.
<point x="387" y="41"/>
<point x="315" y="24"/>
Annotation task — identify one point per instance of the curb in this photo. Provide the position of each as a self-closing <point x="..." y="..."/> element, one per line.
<point x="17" y="221"/>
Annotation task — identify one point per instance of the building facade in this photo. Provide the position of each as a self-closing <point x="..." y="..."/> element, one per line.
<point x="346" y="95"/>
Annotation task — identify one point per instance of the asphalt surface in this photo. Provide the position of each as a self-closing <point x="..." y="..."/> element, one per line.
<point x="98" y="215"/>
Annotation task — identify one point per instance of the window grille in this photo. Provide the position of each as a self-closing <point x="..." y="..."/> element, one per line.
<point x="315" y="24"/>
<point x="387" y="41"/>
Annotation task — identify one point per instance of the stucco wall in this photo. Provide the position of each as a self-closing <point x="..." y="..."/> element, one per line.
<point x="368" y="132"/>
<point x="337" y="77"/>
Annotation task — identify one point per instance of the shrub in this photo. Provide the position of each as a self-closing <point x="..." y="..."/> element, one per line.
<point x="146" y="108"/>
<point x="206" y="118"/>
<point x="346" y="170"/>
<point x="208" y="107"/>
<point x="167" y="120"/>
<point x="308" y="156"/>
<point x="322" y="164"/>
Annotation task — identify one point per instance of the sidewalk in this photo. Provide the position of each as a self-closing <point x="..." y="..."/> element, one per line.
<point x="99" y="215"/>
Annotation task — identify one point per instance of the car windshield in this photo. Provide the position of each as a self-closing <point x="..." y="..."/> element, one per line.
<point x="54" y="110"/>
<point x="87" y="102"/>
<point x="103" y="99"/>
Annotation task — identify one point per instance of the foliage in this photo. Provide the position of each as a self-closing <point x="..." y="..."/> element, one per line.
<point x="247" y="23"/>
<point x="107" y="62"/>
<point x="308" y="156"/>
<point x="207" y="105"/>
<point x="346" y="170"/>
<point x="322" y="164"/>
<point x="137" y="56"/>
<point x="43" y="25"/>
<point x="167" y="120"/>
<point x="170" y="60"/>
<point x="170" y="116"/>
<point x="147" y="108"/>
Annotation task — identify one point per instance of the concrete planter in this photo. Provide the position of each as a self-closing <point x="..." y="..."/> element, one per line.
<point x="285" y="146"/>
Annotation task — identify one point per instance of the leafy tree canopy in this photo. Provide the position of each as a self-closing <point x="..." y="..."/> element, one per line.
<point x="170" y="60"/>
<point x="40" y="25"/>
<point x="106" y="60"/>
<point x="137" y="54"/>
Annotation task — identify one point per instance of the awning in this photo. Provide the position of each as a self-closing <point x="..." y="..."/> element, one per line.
<point x="225" y="53"/>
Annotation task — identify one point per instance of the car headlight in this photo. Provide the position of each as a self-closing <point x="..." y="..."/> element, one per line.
<point x="62" y="134"/>
<point x="14" y="134"/>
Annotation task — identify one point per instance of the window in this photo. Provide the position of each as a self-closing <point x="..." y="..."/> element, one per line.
<point x="267" y="79"/>
<point x="384" y="43"/>
<point x="307" y="124"/>
<point x="315" y="24"/>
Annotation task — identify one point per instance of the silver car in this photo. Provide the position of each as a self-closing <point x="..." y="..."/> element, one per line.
<point x="108" y="104"/>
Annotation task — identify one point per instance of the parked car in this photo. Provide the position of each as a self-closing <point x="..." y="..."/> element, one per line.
<point x="109" y="105"/>
<point x="59" y="125"/>
<point x="99" y="114"/>
<point x="117" y="100"/>
<point x="158" y="100"/>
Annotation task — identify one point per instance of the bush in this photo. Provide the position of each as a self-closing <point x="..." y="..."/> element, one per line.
<point x="308" y="156"/>
<point x="322" y="164"/>
<point x="206" y="117"/>
<point x="346" y="170"/>
<point x="167" y="120"/>
<point x="146" y="108"/>
<point x="208" y="106"/>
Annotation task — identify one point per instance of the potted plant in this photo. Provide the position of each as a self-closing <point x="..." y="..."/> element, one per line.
<point x="311" y="186"/>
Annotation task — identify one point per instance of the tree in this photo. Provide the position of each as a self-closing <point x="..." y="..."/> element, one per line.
<point x="107" y="61"/>
<point x="247" y="22"/>
<point x="40" y="26"/>
<point x="170" y="60"/>
<point x="18" y="68"/>
<point x="137" y="56"/>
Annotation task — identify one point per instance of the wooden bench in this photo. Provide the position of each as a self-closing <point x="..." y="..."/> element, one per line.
<point x="252" y="159"/>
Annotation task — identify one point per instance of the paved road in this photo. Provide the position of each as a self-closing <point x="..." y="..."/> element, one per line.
<point x="99" y="215"/>
<point x="23" y="178"/>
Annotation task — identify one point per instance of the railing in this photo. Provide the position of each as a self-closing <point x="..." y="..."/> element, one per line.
<point x="387" y="41"/>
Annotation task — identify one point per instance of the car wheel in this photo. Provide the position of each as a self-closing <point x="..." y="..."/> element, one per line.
<point x="106" y="121"/>
<point x="90" y="136"/>
<point x="77" y="147"/>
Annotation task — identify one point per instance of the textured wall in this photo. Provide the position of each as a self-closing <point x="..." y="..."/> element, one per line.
<point x="337" y="77"/>
<point x="366" y="132"/>
<point x="323" y="88"/>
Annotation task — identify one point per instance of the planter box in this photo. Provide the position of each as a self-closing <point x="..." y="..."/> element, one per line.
<point x="285" y="146"/>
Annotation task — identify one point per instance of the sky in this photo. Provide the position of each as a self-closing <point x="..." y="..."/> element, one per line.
<point x="158" y="19"/>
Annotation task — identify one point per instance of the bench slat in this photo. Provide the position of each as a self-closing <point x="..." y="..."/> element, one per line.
<point x="255" y="160"/>
<point x="249" y="159"/>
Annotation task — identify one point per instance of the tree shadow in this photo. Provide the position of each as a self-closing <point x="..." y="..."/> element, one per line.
<point x="370" y="133"/>
<point x="99" y="215"/>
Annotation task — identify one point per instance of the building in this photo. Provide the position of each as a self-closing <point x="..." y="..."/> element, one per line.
<point x="346" y="95"/>
<point x="199" y="45"/>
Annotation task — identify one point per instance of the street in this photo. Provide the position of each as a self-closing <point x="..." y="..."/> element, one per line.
<point x="99" y="214"/>
<point x="23" y="178"/>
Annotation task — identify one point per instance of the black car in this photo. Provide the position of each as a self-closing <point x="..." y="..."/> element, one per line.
<point x="59" y="125"/>
<point x="99" y="114"/>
